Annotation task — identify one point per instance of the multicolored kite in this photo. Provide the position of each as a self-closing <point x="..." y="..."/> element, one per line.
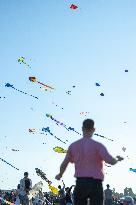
<point x="8" y="85"/>
<point x="43" y="176"/>
<point x="47" y="129"/>
<point x="34" y="80"/>
<point x="21" y="60"/>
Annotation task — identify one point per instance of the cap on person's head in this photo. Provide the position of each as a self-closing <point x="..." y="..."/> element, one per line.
<point x="88" y="124"/>
<point x="25" y="173"/>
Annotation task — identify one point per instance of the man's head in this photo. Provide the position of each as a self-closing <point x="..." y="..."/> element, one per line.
<point x="108" y="186"/>
<point x="88" y="127"/>
<point x="25" y="174"/>
<point x="59" y="187"/>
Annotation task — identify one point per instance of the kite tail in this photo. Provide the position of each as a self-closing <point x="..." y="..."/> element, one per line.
<point x="103" y="137"/>
<point x="25" y="93"/>
<point x="45" y="85"/>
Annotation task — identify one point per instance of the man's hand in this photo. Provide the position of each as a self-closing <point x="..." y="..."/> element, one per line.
<point x="58" y="177"/>
<point x="119" y="158"/>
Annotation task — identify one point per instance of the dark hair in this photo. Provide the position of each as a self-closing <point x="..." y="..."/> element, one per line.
<point x="25" y="173"/>
<point x="88" y="124"/>
<point x="59" y="187"/>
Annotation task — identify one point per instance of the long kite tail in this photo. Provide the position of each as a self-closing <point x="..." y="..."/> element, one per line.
<point x="45" y="85"/>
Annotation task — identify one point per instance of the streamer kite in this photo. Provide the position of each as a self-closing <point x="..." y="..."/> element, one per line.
<point x="34" y="79"/>
<point x="21" y="60"/>
<point x="8" y="85"/>
<point x="73" y="7"/>
<point x="59" y="150"/>
<point x="71" y="128"/>
<point x="103" y="137"/>
<point x="8" y="163"/>
<point x="15" y="150"/>
<point x="57" y="122"/>
<point x="44" y="177"/>
<point x="53" y="189"/>
<point x="47" y="129"/>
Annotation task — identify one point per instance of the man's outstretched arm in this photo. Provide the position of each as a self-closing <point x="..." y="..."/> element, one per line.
<point x="63" y="167"/>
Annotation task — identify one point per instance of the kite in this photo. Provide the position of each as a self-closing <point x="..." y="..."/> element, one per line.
<point x="124" y="149"/>
<point x="2" y="97"/>
<point x="97" y="84"/>
<point x="53" y="189"/>
<point x="131" y="169"/>
<point x="15" y="150"/>
<point x="73" y="7"/>
<point x="126" y="71"/>
<point x="59" y="150"/>
<point x="68" y="92"/>
<point x="21" y="60"/>
<point x="71" y="128"/>
<point x="8" y="85"/>
<point x="84" y="113"/>
<point x="33" y="79"/>
<point x="43" y="176"/>
<point x="103" y="137"/>
<point x="57" y="122"/>
<point x="47" y="129"/>
<point x="32" y="131"/>
<point x="102" y="94"/>
<point x="8" y="163"/>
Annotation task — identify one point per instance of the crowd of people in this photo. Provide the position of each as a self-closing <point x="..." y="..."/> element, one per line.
<point x="88" y="156"/>
<point x="65" y="196"/>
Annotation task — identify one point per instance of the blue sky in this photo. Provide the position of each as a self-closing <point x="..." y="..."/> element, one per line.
<point x="94" y="43"/>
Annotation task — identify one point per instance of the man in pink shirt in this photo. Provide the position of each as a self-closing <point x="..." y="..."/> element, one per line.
<point x="88" y="156"/>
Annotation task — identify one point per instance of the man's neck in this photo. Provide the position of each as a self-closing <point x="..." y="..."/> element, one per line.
<point x="87" y="135"/>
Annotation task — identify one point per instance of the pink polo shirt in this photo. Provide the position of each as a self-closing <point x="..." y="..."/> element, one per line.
<point x="88" y="156"/>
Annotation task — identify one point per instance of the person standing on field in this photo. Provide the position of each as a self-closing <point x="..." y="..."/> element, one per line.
<point x="88" y="156"/>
